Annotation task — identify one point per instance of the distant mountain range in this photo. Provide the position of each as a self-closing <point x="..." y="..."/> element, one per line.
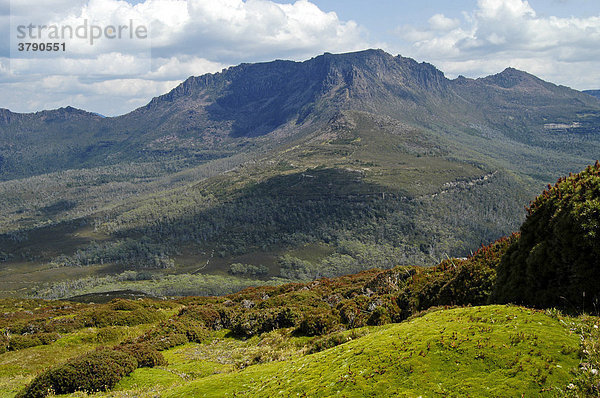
<point x="253" y="164"/>
<point x="215" y="114"/>
<point x="594" y="93"/>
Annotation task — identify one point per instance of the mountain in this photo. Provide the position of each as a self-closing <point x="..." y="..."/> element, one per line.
<point x="593" y="93"/>
<point x="285" y="169"/>
<point x="220" y="112"/>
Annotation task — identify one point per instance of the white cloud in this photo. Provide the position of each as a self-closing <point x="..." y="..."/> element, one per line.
<point x="442" y="23"/>
<point x="501" y="33"/>
<point x="83" y="84"/>
<point x="250" y="30"/>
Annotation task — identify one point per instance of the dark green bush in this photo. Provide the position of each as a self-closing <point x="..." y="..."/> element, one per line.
<point x="352" y="313"/>
<point x="556" y="260"/>
<point x="146" y="355"/>
<point x="379" y="316"/>
<point x="64" y="325"/>
<point x="106" y="316"/>
<point x="252" y="322"/>
<point x="28" y="327"/>
<point x="124" y="305"/>
<point x="168" y="341"/>
<point x="454" y="281"/>
<point x="317" y="323"/>
<point x="48" y="338"/>
<point x="207" y="315"/>
<point x="174" y="332"/>
<point x="329" y="341"/>
<point x="96" y="371"/>
<point x="19" y="342"/>
<point x="108" y="334"/>
<point x="3" y="343"/>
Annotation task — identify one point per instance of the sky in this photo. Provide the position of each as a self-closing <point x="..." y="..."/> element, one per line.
<point x="127" y="52"/>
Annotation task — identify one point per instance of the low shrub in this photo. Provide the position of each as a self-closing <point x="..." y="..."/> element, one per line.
<point x="317" y="323"/>
<point x="19" y="342"/>
<point x="146" y="355"/>
<point x="328" y="341"/>
<point x="352" y="313"/>
<point x="174" y="332"/>
<point x="379" y="316"/>
<point x="108" y="334"/>
<point x="162" y="343"/>
<point x="252" y="322"/>
<point x="123" y="305"/>
<point x="96" y="371"/>
<point x="106" y="316"/>
<point x="64" y="325"/>
<point x="207" y="315"/>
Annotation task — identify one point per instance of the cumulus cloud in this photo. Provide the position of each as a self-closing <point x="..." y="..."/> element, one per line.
<point x="247" y="30"/>
<point x="440" y="22"/>
<point x="185" y="37"/>
<point x="501" y="33"/>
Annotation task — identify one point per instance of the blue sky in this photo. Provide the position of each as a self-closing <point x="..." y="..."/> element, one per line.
<point x="556" y="40"/>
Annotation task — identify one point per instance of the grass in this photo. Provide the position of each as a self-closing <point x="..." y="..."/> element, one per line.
<point x="489" y="351"/>
<point x="18" y="368"/>
<point x="495" y="351"/>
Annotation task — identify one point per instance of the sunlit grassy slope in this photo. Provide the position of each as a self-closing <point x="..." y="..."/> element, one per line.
<point x="495" y="351"/>
<point x="481" y="351"/>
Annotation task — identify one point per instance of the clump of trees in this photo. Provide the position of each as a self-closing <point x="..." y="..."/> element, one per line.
<point x="248" y="269"/>
<point x="128" y="252"/>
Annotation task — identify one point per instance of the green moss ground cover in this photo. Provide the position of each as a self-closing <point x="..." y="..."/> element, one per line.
<point x="479" y="351"/>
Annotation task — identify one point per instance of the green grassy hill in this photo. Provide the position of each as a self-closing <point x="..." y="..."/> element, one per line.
<point x="488" y="351"/>
<point x="479" y="352"/>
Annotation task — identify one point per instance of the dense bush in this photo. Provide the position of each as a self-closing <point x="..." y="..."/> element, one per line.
<point x="329" y="341"/>
<point x="64" y="325"/>
<point x="333" y="339"/>
<point x="371" y="297"/>
<point x="556" y="261"/>
<point x="106" y="316"/>
<point x="145" y="355"/>
<point x="317" y="323"/>
<point x="207" y="315"/>
<point x="173" y="332"/>
<point x="96" y="371"/>
<point x="108" y="334"/>
<point x="352" y="313"/>
<point x="249" y="323"/>
<point x="124" y="305"/>
<point x="456" y="281"/>
<point x="18" y="342"/>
